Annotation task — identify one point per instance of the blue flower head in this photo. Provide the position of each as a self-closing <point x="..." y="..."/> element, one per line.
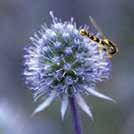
<point x="61" y="63"/>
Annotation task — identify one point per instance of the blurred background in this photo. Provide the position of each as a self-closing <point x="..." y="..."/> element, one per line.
<point x="19" y="19"/>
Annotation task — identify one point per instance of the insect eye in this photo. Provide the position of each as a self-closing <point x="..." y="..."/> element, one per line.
<point x="82" y="32"/>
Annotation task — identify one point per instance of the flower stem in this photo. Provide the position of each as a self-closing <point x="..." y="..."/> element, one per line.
<point x="75" y="115"/>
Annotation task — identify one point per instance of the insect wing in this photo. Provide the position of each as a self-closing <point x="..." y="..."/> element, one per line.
<point x="100" y="33"/>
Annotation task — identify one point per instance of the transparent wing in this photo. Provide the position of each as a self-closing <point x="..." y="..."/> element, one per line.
<point x="97" y="27"/>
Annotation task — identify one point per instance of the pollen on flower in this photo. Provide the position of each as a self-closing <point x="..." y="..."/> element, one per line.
<point x="60" y="63"/>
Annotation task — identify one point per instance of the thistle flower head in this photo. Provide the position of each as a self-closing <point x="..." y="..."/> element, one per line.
<point x="60" y="63"/>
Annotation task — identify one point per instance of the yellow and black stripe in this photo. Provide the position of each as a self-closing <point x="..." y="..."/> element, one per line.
<point x="107" y="44"/>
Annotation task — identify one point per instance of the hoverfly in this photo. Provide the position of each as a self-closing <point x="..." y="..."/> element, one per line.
<point x="104" y="44"/>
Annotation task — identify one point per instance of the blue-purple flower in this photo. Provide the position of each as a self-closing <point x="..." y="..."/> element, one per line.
<point x="61" y="63"/>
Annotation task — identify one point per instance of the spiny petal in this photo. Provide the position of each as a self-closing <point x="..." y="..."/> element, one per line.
<point x="83" y="105"/>
<point x="45" y="104"/>
<point x="64" y="105"/>
<point x="98" y="94"/>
